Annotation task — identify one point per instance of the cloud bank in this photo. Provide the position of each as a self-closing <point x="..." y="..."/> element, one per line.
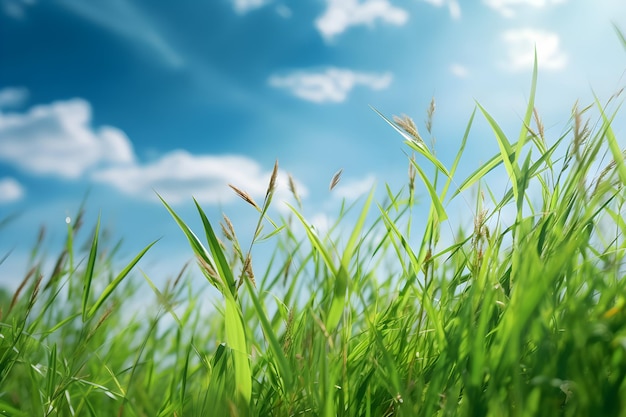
<point x="343" y="14"/>
<point x="59" y="140"/>
<point x="330" y="85"/>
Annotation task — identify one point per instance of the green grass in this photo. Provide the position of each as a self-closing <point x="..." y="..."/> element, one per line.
<point x="373" y="318"/>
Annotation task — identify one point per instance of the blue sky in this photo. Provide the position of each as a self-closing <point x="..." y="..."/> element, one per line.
<point x="120" y="98"/>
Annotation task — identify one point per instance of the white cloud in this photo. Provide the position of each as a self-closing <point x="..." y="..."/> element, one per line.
<point x="10" y="190"/>
<point x="179" y="175"/>
<point x="13" y="97"/>
<point x="453" y="7"/>
<point x="16" y="8"/>
<point x="509" y="8"/>
<point x="521" y="45"/>
<point x="57" y="139"/>
<point x="244" y="6"/>
<point x="353" y="189"/>
<point x="341" y="14"/>
<point x="331" y="85"/>
<point x="459" y="70"/>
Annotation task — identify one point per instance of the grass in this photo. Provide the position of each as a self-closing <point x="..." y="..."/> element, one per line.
<point x="526" y="318"/>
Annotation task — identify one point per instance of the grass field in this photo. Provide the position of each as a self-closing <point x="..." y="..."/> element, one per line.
<point x="525" y="318"/>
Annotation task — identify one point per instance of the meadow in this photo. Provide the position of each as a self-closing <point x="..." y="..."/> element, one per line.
<point x="511" y="318"/>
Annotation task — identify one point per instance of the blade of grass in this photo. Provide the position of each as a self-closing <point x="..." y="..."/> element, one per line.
<point x="223" y="268"/>
<point x="434" y="198"/>
<point x="506" y="151"/>
<point x="108" y="290"/>
<point x="89" y="269"/>
<point x="618" y="155"/>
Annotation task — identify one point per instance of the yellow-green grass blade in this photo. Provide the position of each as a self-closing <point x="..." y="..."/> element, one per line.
<point x="457" y="158"/>
<point x="441" y="212"/>
<point x="506" y="151"/>
<point x="197" y="247"/>
<point x="118" y="279"/>
<point x="618" y="155"/>
<point x="275" y="346"/>
<point x="521" y="141"/>
<point x="236" y="338"/>
<point x="315" y="241"/>
<point x="342" y="276"/>
<point x="223" y="268"/>
<point x="88" y="275"/>
<point x="477" y="175"/>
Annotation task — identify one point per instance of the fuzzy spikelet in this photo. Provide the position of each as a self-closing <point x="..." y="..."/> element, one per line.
<point x="245" y="197"/>
<point x="335" y="180"/>
<point x="294" y="191"/>
<point x="272" y="184"/>
<point x="247" y="267"/>
<point x="407" y="124"/>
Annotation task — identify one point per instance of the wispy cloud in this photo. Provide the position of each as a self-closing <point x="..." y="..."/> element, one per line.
<point x="244" y="6"/>
<point x="124" y="19"/>
<point x="13" y="97"/>
<point x="10" y="190"/>
<point x="179" y="175"/>
<point x="510" y="8"/>
<point x="342" y="14"/>
<point x="57" y="139"/>
<point x="453" y="7"/>
<point x="459" y="70"/>
<point x="330" y="85"/>
<point x="521" y="44"/>
<point x="15" y="8"/>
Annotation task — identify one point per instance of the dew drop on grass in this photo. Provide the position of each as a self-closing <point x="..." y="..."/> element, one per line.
<point x="68" y="220"/>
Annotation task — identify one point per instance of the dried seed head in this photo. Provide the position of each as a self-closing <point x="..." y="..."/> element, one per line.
<point x="286" y="269"/>
<point x="335" y="180"/>
<point x="272" y="185"/>
<point x="16" y="295"/>
<point x="292" y="188"/>
<point x="407" y="124"/>
<point x="412" y="173"/>
<point x="228" y="229"/>
<point x="430" y="113"/>
<point x="539" y="123"/>
<point x="209" y="270"/>
<point x="245" y="196"/>
<point x="180" y="274"/>
<point x="581" y="131"/>
<point x="247" y="267"/>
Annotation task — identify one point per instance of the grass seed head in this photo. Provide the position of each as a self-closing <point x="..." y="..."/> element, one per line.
<point x="430" y="113"/>
<point x="245" y="197"/>
<point x="272" y="184"/>
<point x="405" y="123"/>
<point x="247" y="267"/>
<point x="335" y="180"/>
<point x="228" y="229"/>
<point x="294" y="191"/>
